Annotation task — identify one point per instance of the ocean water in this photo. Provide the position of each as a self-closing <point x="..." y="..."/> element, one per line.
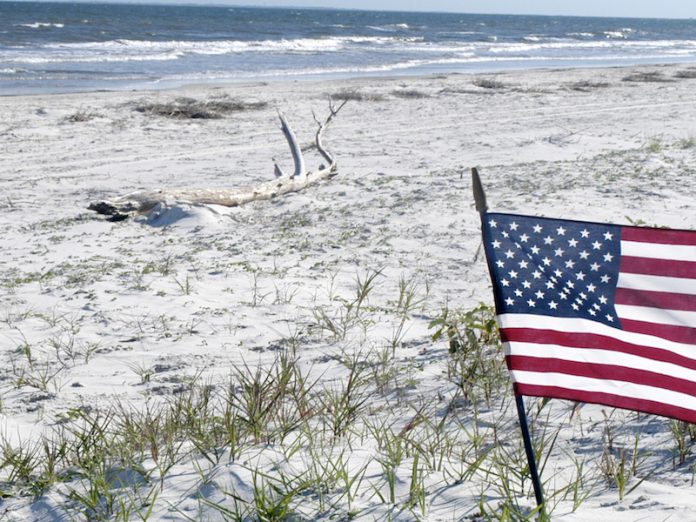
<point x="60" y="47"/>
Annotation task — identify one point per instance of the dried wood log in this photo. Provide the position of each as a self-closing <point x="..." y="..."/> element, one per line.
<point x="142" y="202"/>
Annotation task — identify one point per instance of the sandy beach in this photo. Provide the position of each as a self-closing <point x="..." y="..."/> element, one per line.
<point x="100" y="317"/>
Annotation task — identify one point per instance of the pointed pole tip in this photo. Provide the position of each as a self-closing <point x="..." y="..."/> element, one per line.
<point x="479" y="193"/>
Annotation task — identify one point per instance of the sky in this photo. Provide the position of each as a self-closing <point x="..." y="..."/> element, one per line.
<point x="620" y="8"/>
<point x="604" y="8"/>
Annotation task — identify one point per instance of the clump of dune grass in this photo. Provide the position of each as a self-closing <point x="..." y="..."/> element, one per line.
<point x="81" y="116"/>
<point x="654" y="145"/>
<point x="410" y="94"/>
<point x="687" y="143"/>
<point x="587" y="86"/>
<point x="191" y="108"/>
<point x="454" y="90"/>
<point x="647" y="77"/>
<point x="487" y="83"/>
<point x="686" y="74"/>
<point x="356" y="95"/>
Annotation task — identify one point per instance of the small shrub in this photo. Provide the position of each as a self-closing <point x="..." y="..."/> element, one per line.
<point x="476" y="364"/>
<point x="355" y="95"/>
<point x="81" y="116"/>
<point x="647" y="77"/>
<point x="410" y="94"/>
<point x="486" y="83"/>
<point x="686" y="74"/>
<point x="654" y="145"/>
<point x="465" y="330"/>
<point x="190" y="108"/>
<point x="226" y="105"/>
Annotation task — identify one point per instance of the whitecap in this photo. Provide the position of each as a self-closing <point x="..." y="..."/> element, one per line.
<point x="40" y="25"/>
<point x="389" y="28"/>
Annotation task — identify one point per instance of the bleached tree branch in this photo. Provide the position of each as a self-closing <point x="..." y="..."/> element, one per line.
<point x="142" y="202"/>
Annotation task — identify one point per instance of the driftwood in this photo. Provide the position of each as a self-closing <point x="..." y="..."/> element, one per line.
<point x="142" y="202"/>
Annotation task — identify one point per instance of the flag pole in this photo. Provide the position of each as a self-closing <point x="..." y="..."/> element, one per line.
<point x="482" y="207"/>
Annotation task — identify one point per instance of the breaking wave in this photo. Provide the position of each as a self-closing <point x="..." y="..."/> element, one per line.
<point x="148" y="50"/>
<point x="162" y="51"/>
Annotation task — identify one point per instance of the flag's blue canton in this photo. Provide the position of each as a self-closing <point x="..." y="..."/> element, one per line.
<point x="553" y="267"/>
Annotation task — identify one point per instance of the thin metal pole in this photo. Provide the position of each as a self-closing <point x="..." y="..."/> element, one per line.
<point x="529" y="449"/>
<point x="482" y="208"/>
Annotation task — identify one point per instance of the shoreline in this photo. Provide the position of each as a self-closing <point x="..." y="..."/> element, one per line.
<point x="169" y="85"/>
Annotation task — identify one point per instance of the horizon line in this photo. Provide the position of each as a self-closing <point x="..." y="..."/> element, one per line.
<point x="222" y="4"/>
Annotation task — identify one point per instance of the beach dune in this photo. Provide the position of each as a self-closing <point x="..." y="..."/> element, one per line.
<point x="131" y="316"/>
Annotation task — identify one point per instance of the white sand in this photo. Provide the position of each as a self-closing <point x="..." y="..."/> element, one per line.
<point x="220" y="288"/>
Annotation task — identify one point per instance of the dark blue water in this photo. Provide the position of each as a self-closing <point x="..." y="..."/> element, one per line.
<point x="52" y="47"/>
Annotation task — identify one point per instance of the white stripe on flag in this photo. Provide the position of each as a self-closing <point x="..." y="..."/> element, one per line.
<point x="675" y="285"/>
<point x="577" y="325"/>
<point x="658" y="251"/>
<point x="585" y="355"/>
<point x="621" y="388"/>
<point x="656" y="315"/>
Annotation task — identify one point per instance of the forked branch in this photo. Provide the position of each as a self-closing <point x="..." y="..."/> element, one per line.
<point x="333" y="111"/>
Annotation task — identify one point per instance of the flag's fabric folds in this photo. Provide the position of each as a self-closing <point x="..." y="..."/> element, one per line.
<point x="596" y="313"/>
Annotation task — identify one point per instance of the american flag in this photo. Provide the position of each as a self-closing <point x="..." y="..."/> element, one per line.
<point x="596" y="312"/>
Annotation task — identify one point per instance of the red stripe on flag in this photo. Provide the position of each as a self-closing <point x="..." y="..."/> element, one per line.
<point x="659" y="235"/>
<point x="678" y="334"/>
<point x="594" y="342"/>
<point x="666" y="300"/>
<point x="617" y="401"/>
<point x="609" y="372"/>
<point x="658" y="267"/>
